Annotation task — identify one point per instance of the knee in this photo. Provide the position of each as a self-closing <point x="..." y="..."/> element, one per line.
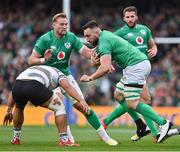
<point x="132" y="104"/>
<point x="118" y="96"/>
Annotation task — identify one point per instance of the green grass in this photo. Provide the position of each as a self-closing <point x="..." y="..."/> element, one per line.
<point x="44" y="138"/>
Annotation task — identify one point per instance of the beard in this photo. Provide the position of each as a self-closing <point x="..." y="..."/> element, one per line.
<point x="132" y="24"/>
<point x="95" y="42"/>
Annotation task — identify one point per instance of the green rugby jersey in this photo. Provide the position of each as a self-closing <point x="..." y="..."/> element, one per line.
<point x="62" y="48"/>
<point x="138" y="36"/>
<point x="122" y="52"/>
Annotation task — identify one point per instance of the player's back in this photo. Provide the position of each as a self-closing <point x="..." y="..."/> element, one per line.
<point x="49" y="76"/>
<point x="122" y="51"/>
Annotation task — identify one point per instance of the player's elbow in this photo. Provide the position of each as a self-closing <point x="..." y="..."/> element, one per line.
<point x="30" y="61"/>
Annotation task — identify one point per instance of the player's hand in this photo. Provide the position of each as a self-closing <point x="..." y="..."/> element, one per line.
<point x="152" y="53"/>
<point x="85" y="107"/>
<point x="85" y="78"/>
<point x="48" y="54"/>
<point x="8" y="118"/>
<point x="95" y="60"/>
<point x="112" y="69"/>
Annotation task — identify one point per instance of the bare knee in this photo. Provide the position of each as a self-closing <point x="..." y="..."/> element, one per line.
<point x="132" y="104"/>
<point x="118" y="96"/>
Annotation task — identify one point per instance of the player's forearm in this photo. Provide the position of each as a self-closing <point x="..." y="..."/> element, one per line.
<point x="36" y="61"/>
<point x="101" y="71"/>
<point x="10" y="103"/>
<point x="70" y="90"/>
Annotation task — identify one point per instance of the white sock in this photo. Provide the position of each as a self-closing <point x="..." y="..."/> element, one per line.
<point x="17" y="132"/>
<point x="173" y="132"/>
<point x="70" y="136"/>
<point x="102" y="133"/>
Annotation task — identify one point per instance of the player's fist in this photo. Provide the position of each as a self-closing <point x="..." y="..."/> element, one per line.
<point x="152" y="53"/>
<point x="48" y="54"/>
<point x="85" y="78"/>
<point x="95" y="60"/>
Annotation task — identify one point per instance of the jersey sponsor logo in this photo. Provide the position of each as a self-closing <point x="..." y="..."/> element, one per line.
<point x="67" y="45"/>
<point x="53" y="47"/>
<point x="139" y="40"/>
<point x="61" y="55"/>
<point x="143" y="32"/>
<point x="130" y="34"/>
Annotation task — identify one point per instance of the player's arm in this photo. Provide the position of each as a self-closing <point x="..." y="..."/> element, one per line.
<point x="37" y="59"/>
<point x="10" y="104"/>
<point x="152" y="48"/>
<point x="86" y="52"/>
<point x="105" y="67"/>
<point x="74" y="94"/>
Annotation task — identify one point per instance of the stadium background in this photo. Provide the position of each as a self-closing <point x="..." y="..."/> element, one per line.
<point x="21" y="22"/>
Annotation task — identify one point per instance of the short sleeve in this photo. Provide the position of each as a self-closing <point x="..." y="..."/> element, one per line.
<point x="40" y="46"/>
<point x="104" y="47"/>
<point x="77" y="44"/>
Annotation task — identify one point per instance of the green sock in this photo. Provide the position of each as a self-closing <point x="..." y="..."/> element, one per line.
<point x="93" y="119"/>
<point x="118" y="111"/>
<point x="151" y="126"/>
<point x="147" y="111"/>
<point x="132" y="113"/>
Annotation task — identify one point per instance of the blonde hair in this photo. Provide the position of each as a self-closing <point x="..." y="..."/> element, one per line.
<point x="56" y="16"/>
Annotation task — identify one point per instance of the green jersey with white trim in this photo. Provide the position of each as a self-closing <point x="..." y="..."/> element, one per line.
<point x="61" y="49"/>
<point x="138" y="36"/>
<point x="122" y="52"/>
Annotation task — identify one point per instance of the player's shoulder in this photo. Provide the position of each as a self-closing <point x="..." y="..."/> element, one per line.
<point x="142" y="26"/>
<point x="46" y="36"/>
<point x="70" y="34"/>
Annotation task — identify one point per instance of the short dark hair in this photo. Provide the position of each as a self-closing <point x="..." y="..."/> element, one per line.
<point x="90" y="24"/>
<point x="130" y="9"/>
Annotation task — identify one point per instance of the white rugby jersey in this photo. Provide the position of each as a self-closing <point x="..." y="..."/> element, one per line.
<point x="49" y="76"/>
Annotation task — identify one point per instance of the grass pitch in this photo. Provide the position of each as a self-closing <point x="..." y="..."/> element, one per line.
<point x="44" y="138"/>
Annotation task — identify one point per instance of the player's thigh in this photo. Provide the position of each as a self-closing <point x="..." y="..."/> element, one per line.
<point x="145" y="95"/>
<point x="119" y="91"/>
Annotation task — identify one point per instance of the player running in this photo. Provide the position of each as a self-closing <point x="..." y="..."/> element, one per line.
<point x="136" y="69"/>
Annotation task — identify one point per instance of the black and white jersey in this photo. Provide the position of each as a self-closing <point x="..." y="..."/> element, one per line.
<point x="49" y="76"/>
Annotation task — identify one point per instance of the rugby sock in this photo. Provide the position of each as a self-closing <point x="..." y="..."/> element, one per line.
<point x="17" y="132"/>
<point x="140" y="124"/>
<point x="117" y="112"/>
<point x="70" y="136"/>
<point x="102" y="133"/>
<point x="132" y="113"/>
<point x="151" y="126"/>
<point x="63" y="136"/>
<point x="93" y="119"/>
<point x="147" y="111"/>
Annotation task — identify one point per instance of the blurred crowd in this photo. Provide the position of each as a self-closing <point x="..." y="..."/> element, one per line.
<point x="22" y="22"/>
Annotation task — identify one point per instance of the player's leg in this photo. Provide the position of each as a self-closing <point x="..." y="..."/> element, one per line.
<point x="118" y="110"/>
<point x="134" y="82"/>
<point x="18" y="119"/>
<point x="121" y="109"/>
<point x="69" y="133"/>
<point x="56" y="104"/>
<point x="146" y="98"/>
<point x="18" y="94"/>
<point x="92" y="117"/>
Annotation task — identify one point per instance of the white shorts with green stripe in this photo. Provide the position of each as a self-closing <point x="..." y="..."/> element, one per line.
<point x="134" y="77"/>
